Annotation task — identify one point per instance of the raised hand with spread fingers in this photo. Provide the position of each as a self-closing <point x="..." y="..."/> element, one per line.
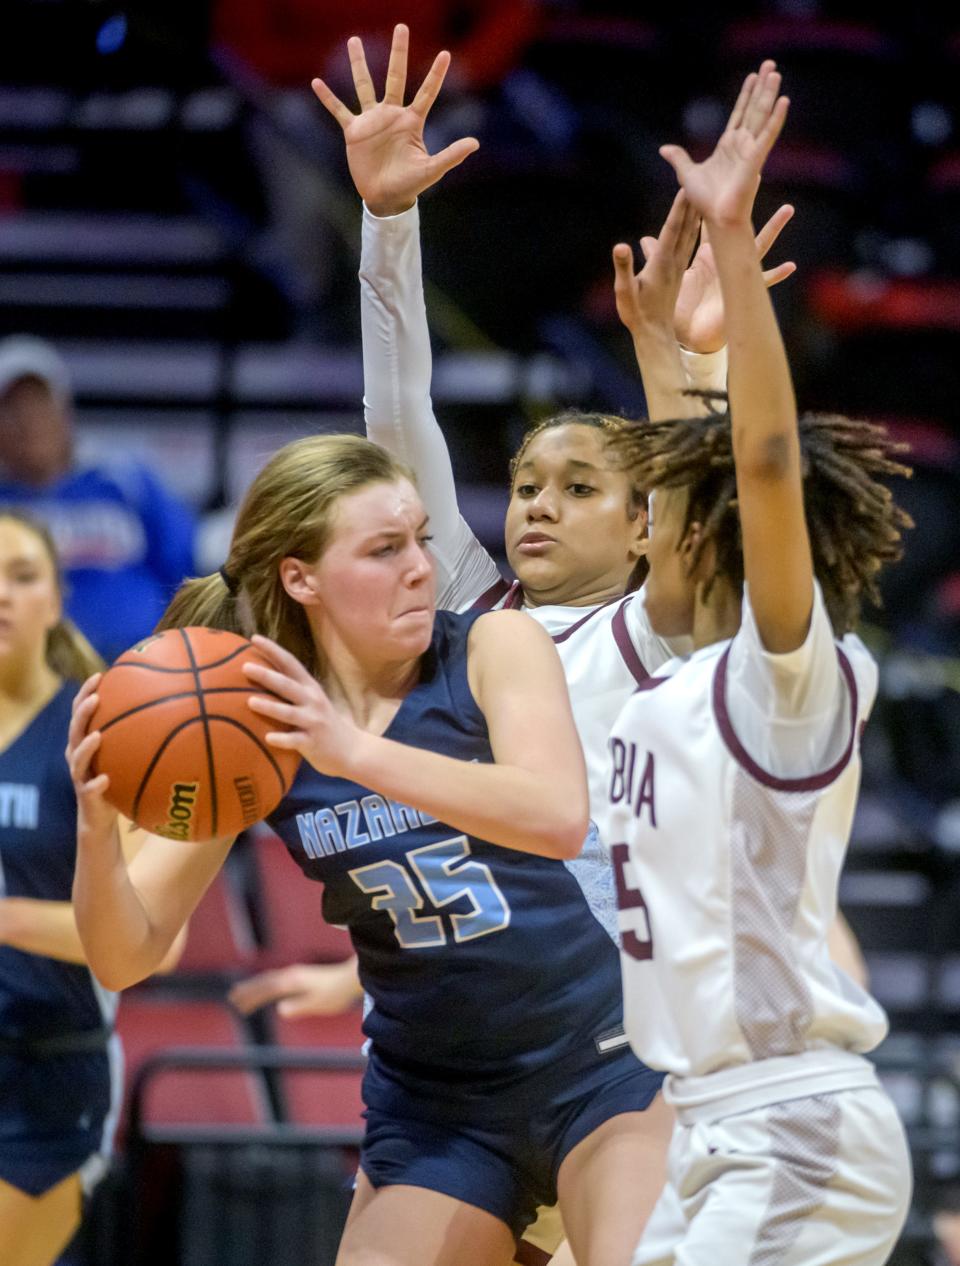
<point x="723" y="187"/>
<point x="386" y="152"/>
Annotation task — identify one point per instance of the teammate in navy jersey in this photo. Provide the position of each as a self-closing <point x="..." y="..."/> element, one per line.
<point x="498" y="1077"/>
<point x="59" y="1062"/>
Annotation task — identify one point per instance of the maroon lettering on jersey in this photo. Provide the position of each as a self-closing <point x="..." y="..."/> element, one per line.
<point x="644" y="794"/>
<point x="629" y="897"/>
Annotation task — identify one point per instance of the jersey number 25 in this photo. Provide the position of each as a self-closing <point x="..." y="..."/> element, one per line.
<point x="447" y="874"/>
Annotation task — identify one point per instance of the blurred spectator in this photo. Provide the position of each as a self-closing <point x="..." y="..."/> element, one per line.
<point x="124" y="540"/>
<point x="287" y="43"/>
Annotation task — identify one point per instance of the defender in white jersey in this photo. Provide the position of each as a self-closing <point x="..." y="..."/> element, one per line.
<point x="576" y="527"/>
<point x="733" y="782"/>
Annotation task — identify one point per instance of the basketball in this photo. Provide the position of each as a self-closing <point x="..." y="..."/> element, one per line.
<point x="187" y="758"/>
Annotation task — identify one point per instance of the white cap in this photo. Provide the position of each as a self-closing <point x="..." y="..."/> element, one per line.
<point x="23" y="356"/>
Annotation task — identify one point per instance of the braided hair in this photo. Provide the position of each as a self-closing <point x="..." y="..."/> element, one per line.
<point x="854" y="523"/>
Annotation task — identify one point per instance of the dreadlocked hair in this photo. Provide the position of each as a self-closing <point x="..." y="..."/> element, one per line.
<point x="610" y="424"/>
<point x="855" y="525"/>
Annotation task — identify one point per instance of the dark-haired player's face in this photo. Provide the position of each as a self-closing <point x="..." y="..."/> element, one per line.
<point x="670" y="590"/>
<point x="572" y="535"/>
<point x="29" y="595"/>
<point x="375" y="581"/>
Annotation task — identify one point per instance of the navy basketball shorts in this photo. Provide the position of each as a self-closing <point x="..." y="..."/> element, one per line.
<point x="53" y="1112"/>
<point x="501" y="1151"/>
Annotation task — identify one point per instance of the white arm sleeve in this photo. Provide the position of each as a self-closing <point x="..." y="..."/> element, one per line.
<point x="792" y="712"/>
<point x="397" y="407"/>
<point x="705" y="371"/>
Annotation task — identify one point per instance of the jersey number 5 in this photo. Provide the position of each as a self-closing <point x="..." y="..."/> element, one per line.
<point x="629" y="897"/>
<point x="447" y="873"/>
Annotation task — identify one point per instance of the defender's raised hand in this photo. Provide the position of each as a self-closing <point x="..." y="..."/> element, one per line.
<point x="724" y="186"/>
<point x="698" y="318"/>
<point x="648" y="297"/>
<point x="386" y="154"/>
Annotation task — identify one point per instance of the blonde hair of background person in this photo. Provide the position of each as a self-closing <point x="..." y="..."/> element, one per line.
<point x="43" y="658"/>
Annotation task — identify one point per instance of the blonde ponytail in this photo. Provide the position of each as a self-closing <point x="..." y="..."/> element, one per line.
<point x="207" y="601"/>
<point x="69" y="653"/>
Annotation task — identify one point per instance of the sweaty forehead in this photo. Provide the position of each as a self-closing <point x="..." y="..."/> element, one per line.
<point x="386" y="506"/>
<point x="567" y="445"/>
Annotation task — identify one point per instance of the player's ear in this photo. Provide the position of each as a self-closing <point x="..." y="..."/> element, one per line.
<point x="690" y="544"/>
<point x="297" y="579"/>
<point x="639" y="535"/>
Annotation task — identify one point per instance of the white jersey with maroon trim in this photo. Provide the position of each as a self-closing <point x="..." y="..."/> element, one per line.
<point x="606" y="650"/>
<point x="728" y="860"/>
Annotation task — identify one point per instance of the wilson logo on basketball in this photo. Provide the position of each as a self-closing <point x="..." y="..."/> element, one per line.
<point x="183" y="801"/>
<point x="248" y="798"/>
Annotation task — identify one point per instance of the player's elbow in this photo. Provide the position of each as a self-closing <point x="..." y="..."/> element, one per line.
<point x="569" y="834"/>
<point x="115" y="976"/>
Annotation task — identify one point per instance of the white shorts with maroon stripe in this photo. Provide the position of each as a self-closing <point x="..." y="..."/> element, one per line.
<point x="807" y="1182"/>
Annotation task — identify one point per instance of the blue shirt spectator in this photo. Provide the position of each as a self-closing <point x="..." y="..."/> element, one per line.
<point x="125" y="542"/>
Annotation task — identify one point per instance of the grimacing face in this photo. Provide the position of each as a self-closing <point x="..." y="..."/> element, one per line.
<point x="373" y="589"/>
<point x="573" y="534"/>
<point x="30" y="602"/>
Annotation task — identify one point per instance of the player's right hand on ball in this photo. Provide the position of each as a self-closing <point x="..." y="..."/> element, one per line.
<point x="94" y="814"/>
<point x="322" y="735"/>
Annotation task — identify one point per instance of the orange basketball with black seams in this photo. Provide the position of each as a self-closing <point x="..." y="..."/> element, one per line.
<point x="186" y="756"/>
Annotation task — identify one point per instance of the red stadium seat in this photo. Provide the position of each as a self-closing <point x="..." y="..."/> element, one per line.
<point x="850" y="302"/>
<point x="294" y="929"/>
<point x="176" y="1096"/>
<point x="319" y="1098"/>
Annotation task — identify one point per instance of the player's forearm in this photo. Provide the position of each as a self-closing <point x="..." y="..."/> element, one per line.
<point x="762" y="403"/>
<point x="120" y="942"/>
<point x="662" y="372"/>
<point x="397" y="361"/>
<point x="41" y="927"/>
<point x="398" y="410"/>
<point x="499" y="803"/>
<point x="766" y="448"/>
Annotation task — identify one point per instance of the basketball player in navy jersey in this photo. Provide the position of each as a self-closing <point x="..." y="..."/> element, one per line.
<point x="438" y="820"/>
<point x="59" y="1061"/>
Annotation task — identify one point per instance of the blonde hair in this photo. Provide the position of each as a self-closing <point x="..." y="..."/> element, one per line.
<point x="67" y="651"/>
<point x="287" y="513"/>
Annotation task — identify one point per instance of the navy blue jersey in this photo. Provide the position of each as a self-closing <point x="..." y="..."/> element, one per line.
<point x="42" y="997"/>
<point x="478" y="959"/>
